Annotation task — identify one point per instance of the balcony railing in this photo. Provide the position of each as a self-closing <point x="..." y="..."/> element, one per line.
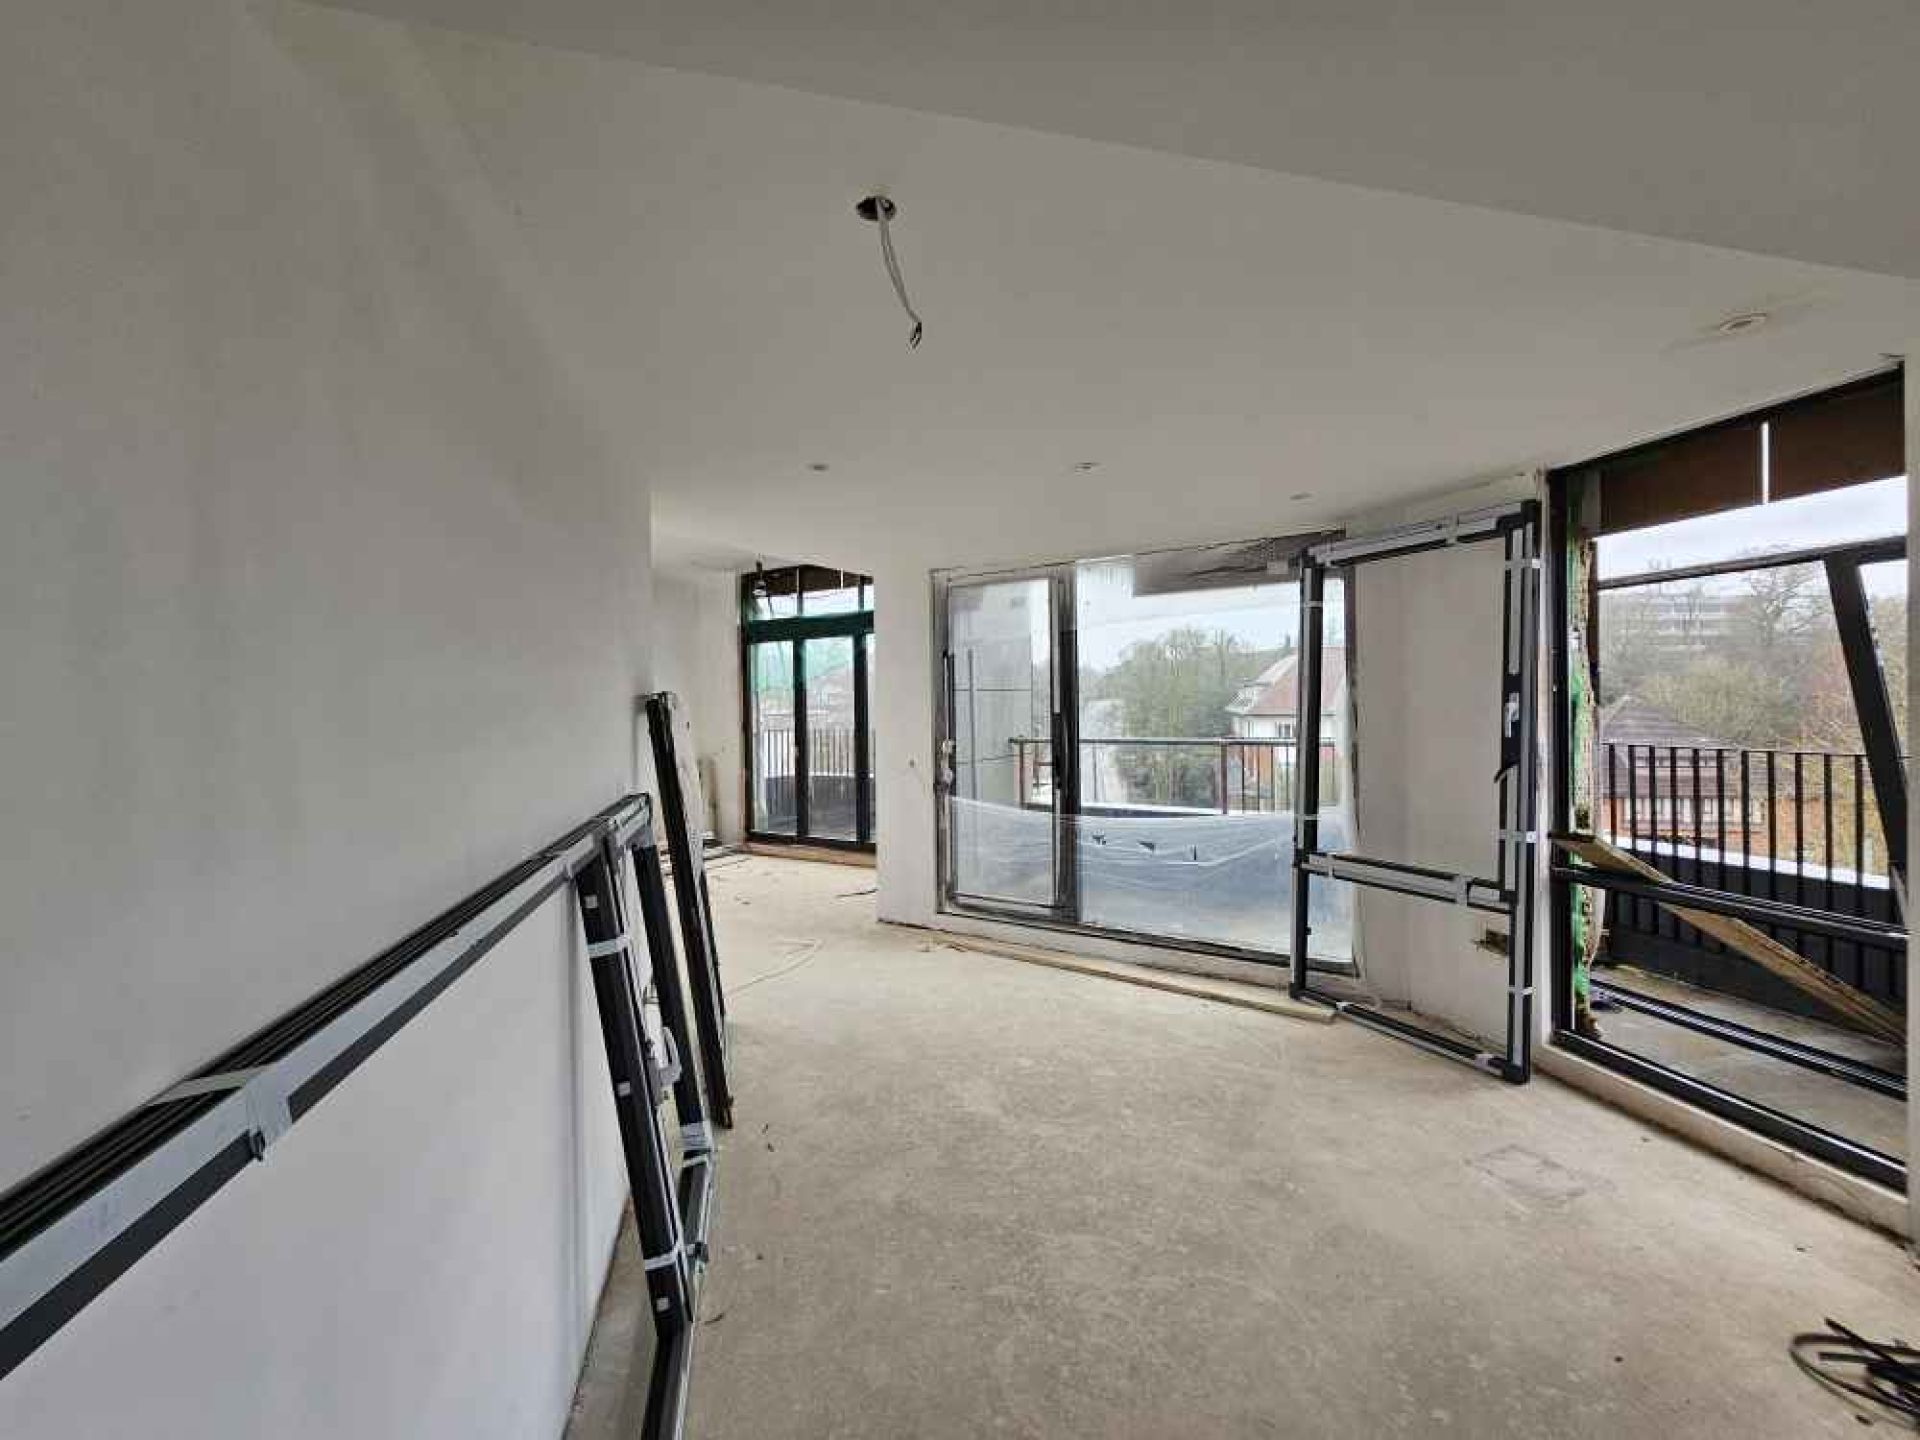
<point x="1810" y="811"/>
<point x="1798" y="826"/>
<point x="1183" y="775"/>
<point x="830" y="751"/>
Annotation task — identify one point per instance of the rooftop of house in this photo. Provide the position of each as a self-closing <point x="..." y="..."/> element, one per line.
<point x="1272" y="691"/>
<point x="1632" y="721"/>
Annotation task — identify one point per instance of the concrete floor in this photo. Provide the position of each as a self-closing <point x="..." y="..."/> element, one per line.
<point x="969" y="1196"/>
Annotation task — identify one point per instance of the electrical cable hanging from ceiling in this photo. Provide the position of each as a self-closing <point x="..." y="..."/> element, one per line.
<point x="881" y="210"/>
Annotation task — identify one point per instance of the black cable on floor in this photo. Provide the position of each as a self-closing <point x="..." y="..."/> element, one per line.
<point x="1883" y="1377"/>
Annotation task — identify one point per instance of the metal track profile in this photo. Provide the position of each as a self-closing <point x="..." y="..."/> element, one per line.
<point x="1515" y="528"/>
<point x="683" y="810"/>
<point x="72" y="1229"/>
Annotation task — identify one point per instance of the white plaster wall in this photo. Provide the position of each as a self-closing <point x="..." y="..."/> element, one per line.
<point x="696" y="630"/>
<point x="323" y="602"/>
<point x="903" y="698"/>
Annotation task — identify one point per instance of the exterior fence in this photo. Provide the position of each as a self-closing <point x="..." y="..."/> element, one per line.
<point x="830" y="751"/>
<point x="1809" y="809"/>
<point x="1796" y="826"/>
<point x="1198" y="775"/>
<point x="831" y="781"/>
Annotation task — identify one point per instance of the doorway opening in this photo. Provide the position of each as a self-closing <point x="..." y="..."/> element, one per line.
<point x="806" y="654"/>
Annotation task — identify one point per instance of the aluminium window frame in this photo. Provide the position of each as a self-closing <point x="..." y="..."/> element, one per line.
<point x="1842" y="561"/>
<point x="1511" y="892"/>
<point x="72" y="1229"/>
<point x="795" y="631"/>
<point x="1062" y="915"/>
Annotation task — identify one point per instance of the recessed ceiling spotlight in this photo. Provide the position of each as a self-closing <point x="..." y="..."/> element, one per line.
<point x="1741" y="324"/>
<point x="819" y="467"/>
<point x="1085" y="465"/>
<point x="1301" y="495"/>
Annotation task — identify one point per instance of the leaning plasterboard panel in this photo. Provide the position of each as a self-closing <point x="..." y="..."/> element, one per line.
<point x="1427" y="648"/>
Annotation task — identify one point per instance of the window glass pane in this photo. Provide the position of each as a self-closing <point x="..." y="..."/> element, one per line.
<point x="828" y="690"/>
<point x="1886" y="586"/>
<point x="1001" y="804"/>
<point x="1729" y="755"/>
<point x="770" y="674"/>
<point x="1858" y="512"/>
<point x="766" y="601"/>
<point x="872" y="748"/>
<point x="1187" y="756"/>
<point x="833" y="599"/>
<point x="1646" y="958"/>
<point x="1727" y="726"/>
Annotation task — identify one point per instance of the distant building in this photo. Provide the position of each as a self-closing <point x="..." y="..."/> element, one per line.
<point x="1668" y="620"/>
<point x="1268" y="706"/>
<point x="1656" y="775"/>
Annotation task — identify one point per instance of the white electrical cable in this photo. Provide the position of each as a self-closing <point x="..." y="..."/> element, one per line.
<point x="882" y="213"/>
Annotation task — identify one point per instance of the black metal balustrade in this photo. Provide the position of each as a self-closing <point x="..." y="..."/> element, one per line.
<point x="1797" y="826"/>
<point x="1183" y="775"/>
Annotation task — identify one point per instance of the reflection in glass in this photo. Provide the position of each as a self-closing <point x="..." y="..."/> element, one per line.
<point x="1000" y="638"/>
<point x="832" y="812"/>
<point x="1189" y="747"/>
<point x="770" y="675"/>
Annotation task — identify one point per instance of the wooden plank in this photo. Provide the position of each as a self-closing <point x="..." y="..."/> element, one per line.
<point x="1862" y="1011"/>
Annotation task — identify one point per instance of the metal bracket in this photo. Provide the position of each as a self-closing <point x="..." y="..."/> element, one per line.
<point x="261" y="1090"/>
<point x="666" y="1259"/>
<point x="596" y="949"/>
<point x="671" y="1071"/>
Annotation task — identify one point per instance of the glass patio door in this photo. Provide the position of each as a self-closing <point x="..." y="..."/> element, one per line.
<point x="807" y="653"/>
<point x="1005" y="789"/>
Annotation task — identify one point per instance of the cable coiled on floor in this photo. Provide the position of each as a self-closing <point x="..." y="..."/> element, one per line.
<point x="1883" y="1377"/>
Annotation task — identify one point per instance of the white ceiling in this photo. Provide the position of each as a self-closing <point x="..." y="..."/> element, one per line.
<point x="1780" y="126"/>
<point x="1218" y="337"/>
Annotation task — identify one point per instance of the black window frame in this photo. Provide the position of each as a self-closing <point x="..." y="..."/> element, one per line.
<point x="1841" y="562"/>
<point x="795" y="631"/>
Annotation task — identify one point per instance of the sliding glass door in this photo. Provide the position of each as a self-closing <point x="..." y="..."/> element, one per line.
<point x="999" y="766"/>
<point x="1119" y="747"/>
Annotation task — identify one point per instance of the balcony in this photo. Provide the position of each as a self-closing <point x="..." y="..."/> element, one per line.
<point x="1796" y="826"/>
<point x="1176" y="775"/>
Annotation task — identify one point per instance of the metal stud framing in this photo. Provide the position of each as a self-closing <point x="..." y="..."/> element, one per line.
<point x="72" y="1229"/>
<point x="684" y="806"/>
<point x="1516" y="529"/>
<point x="672" y="1206"/>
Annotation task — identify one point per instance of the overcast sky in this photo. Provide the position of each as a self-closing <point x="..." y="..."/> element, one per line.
<point x="1264" y="617"/>
<point x="1859" y="512"/>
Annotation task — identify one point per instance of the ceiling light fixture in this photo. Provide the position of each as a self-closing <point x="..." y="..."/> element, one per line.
<point x="881" y="211"/>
